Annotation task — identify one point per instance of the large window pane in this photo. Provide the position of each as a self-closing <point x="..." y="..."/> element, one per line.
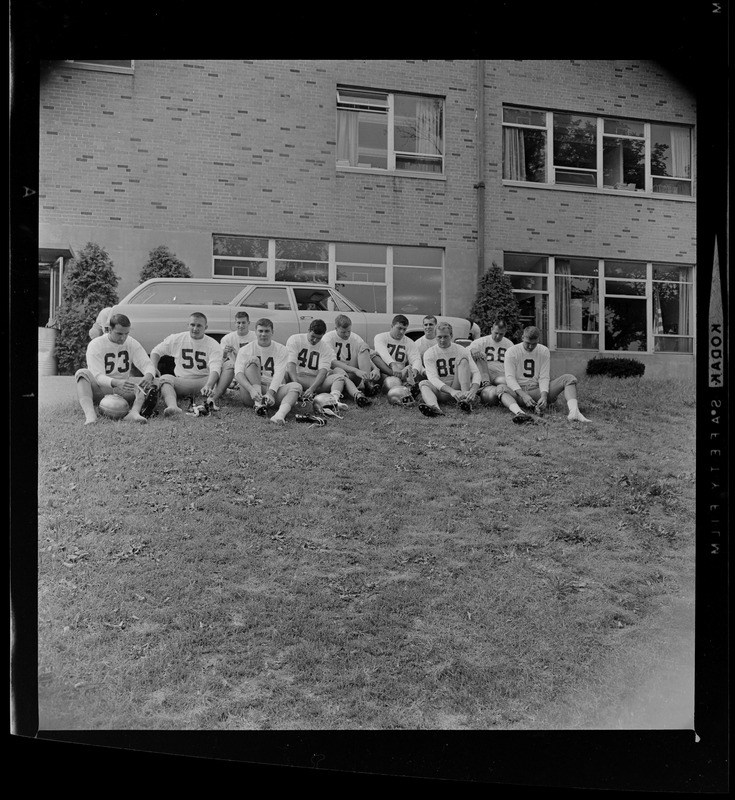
<point x="534" y="310"/>
<point x="625" y="324"/>
<point x="417" y="291"/>
<point x="242" y="246"/>
<point x="671" y="151"/>
<point x="368" y="297"/>
<point x="372" y="140"/>
<point x="418" y="125"/>
<point x="577" y="307"/>
<point x="575" y="141"/>
<point x="672" y="308"/>
<point x="302" y="271"/>
<point x="626" y="287"/>
<point x="524" y="155"/>
<point x="623" y="163"/>
<point x="587" y="267"/>
<point x="528" y="282"/>
<point x="624" y="127"/>
<point x="625" y="269"/>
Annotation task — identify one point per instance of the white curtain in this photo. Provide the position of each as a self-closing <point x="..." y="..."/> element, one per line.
<point x="428" y="127"/>
<point x="563" y="295"/>
<point x="347" y="122"/>
<point x="514" y="155"/>
<point x="681" y="156"/>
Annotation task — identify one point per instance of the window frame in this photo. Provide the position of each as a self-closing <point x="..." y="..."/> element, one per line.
<point x="389" y="111"/>
<point x="333" y="280"/>
<point x="550" y="167"/>
<point x="603" y="295"/>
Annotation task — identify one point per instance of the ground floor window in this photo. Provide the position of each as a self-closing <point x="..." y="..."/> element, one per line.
<point x="50" y="277"/>
<point x="605" y="304"/>
<point x="378" y="278"/>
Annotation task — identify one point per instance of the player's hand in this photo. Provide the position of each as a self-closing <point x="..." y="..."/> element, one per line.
<point x="541" y="405"/>
<point x="269" y="399"/>
<point x="207" y="391"/>
<point x="528" y="401"/>
<point x="374" y="374"/>
<point x="398" y="372"/>
<point x="477" y="355"/>
<point x="359" y="375"/>
<point x="146" y="383"/>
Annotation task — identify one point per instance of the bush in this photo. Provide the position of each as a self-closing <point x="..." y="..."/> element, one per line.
<point x="90" y="284"/>
<point x="162" y="263"/>
<point x="616" y="367"/>
<point x="495" y="300"/>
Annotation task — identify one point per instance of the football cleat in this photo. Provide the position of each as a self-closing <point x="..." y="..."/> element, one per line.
<point x="400" y="396"/>
<point x="521" y="418"/>
<point x="362" y="401"/>
<point x="415" y="391"/>
<point x="430" y="411"/>
<point x="260" y="408"/>
<point x="148" y="409"/>
<point x="464" y="405"/>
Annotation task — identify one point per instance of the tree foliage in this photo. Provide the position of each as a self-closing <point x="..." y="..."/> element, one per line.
<point x="495" y="300"/>
<point x="90" y="284"/>
<point x="162" y="263"/>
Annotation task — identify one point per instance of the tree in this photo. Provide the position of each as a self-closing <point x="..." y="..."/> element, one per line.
<point x="495" y="300"/>
<point x="90" y="284"/>
<point x="162" y="263"/>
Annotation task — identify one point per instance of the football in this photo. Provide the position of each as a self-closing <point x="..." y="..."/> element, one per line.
<point x="114" y="406"/>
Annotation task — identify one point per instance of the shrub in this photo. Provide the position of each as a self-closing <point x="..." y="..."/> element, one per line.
<point x="90" y="284"/>
<point x="616" y="367"/>
<point x="495" y="300"/>
<point x="162" y="263"/>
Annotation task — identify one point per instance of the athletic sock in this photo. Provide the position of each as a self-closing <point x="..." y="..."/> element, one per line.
<point x="515" y="408"/>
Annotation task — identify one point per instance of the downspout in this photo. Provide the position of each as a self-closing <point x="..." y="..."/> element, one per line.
<point x="480" y="185"/>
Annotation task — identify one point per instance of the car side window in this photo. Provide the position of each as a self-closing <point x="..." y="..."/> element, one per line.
<point x="312" y="299"/>
<point x="270" y="298"/>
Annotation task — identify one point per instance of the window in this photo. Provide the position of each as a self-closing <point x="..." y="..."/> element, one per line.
<point x="187" y="291"/>
<point x="374" y="277"/>
<point x="672" y="308"/>
<point x="528" y="276"/>
<point x="387" y="131"/>
<point x="605" y="305"/>
<point x="576" y="303"/>
<point x="271" y="298"/>
<point x="598" y="152"/>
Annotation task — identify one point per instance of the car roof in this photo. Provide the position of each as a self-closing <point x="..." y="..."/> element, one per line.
<point x="240" y="282"/>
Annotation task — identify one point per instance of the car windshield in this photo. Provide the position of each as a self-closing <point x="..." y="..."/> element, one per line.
<point x="185" y="293"/>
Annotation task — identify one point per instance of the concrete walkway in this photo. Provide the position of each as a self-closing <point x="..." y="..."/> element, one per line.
<point x="56" y="390"/>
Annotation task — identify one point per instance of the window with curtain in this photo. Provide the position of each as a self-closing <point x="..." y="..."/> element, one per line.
<point x="672" y="308"/>
<point x="576" y="303"/>
<point x="389" y="131"/>
<point x="635" y="156"/>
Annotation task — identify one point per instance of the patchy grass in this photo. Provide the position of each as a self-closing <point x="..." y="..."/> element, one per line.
<point x="387" y="571"/>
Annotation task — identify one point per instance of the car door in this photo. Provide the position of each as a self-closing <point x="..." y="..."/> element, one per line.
<point x="264" y="301"/>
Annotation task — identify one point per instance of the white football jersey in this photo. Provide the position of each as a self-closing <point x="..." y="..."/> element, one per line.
<point x="524" y="369"/>
<point x="404" y="351"/>
<point x="107" y="360"/>
<point x="195" y="358"/>
<point x="309" y="358"/>
<point x="272" y="359"/>
<point x="493" y="351"/>
<point x="346" y="349"/>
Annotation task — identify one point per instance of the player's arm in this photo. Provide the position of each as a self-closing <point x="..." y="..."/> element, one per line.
<point x="432" y="374"/>
<point x="381" y="347"/>
<point x="279" y="373"/>
<point x="214" y="364"/>
<point x="245" y="357"/>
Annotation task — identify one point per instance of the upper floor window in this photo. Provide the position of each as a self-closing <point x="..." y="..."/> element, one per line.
<point x="600" y="152"/>
<point x="389" y="131"/>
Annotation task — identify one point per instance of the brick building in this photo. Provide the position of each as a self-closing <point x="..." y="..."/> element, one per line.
<point x="397" y="181"/>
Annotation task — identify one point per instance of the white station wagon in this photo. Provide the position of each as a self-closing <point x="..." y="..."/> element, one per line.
<point x="162" y="306"/>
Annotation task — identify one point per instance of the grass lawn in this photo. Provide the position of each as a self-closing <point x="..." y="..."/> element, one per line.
<point x="387" y="571"/>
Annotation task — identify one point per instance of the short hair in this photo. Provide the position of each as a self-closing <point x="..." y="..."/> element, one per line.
<point x="399" y="318"/>
<point x="242" y="314"/>
<point x="119" y="319"/>
<point x="445" y="326"/>
<point x="500" y="323"/>
<point x="532" y="332"/>
<point x="318" y="326"/>
<point x="199" y="315"/>
<point x="264" y="323"/>
<point x="429" y="316"/>
<point x="342" y="321"/>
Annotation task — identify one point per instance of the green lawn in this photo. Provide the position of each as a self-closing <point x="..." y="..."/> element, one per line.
<point x="387" y="571"/>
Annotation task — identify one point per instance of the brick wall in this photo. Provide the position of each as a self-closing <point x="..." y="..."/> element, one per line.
<point x="182" y="149"/>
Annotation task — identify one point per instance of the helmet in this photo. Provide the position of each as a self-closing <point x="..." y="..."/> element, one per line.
<point x="114" y="406"/>
<point x="391" y="382"/>
<point x="325" y="404"/>
<point x="400" y="396"/>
